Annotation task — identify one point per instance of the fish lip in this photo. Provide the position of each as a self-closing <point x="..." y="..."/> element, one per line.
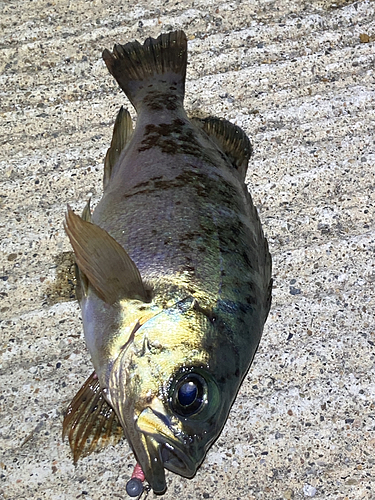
<point x="176" y="460"/>
<point x="171" y="446"/>
<point x="155" y="467"/>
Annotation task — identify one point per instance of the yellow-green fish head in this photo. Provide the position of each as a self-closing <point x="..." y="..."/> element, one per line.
<point x="163" y="390"/>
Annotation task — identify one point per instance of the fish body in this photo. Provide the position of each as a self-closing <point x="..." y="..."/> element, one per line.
<point x="174" y="268"/>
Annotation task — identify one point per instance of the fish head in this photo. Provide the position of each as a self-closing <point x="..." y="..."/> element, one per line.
<point x="165" y="391"/>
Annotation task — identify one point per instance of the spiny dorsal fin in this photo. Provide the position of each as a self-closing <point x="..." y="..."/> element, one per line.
<point x="107" y="266"/>
<point x="231" y="139"/>
<point x="86" y="212"/>
<point x="122" y="132"/>
<point x="90" y="422"/>
<point x="157" y="66"/>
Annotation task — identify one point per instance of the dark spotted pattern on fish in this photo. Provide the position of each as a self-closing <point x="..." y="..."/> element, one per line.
<point x="176" y="137"/>
<point x="156" y="101"/>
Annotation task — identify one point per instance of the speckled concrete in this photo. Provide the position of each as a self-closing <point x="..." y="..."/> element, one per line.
<point x="298" y="76"/>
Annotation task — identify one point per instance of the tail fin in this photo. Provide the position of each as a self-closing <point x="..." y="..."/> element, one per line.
<point x="152" y="73"/>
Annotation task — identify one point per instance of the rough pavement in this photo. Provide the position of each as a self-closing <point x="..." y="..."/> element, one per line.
<point x="298" y="76"/>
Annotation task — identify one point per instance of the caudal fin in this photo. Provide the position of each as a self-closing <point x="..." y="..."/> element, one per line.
<point x="152" y="73"/>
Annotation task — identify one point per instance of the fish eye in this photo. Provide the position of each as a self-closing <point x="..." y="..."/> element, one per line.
<point x="189" y="395"/>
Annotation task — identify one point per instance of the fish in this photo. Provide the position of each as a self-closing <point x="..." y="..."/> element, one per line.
<point x="174" y="273"/>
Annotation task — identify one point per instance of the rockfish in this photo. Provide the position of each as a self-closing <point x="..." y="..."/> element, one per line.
<point x="174" y="273"/>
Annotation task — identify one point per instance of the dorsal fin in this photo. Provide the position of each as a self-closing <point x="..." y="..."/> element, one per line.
<point x="122" y="132"/>
<point x="230" y="138"/>
<point x="107" y="266"/>
<point x="90" y="422"/>
<point x="153" y="73"/>
<point x="86" y="212"/>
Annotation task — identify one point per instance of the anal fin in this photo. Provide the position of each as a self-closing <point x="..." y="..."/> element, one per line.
<point x="122" y="132"/>
<point x="90" y="422"/>
<point x="230" y="138"/>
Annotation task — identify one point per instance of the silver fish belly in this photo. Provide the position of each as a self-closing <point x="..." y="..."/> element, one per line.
<point x="174" y="272"/>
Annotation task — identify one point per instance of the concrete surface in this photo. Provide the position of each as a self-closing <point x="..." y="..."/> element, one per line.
<point x="298" y="76"/>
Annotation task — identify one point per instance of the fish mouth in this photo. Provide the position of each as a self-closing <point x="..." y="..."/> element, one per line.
<point x="177" y="461"/>
<point x="163" y="449"/>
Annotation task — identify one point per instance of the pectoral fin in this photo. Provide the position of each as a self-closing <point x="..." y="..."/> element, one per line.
<point x="82" y="282"/>
<point x="107" y="266"/>
<point x="90" y="423"/>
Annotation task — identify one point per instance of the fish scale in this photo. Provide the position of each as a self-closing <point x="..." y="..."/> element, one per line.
<point x="175" y="272"/>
